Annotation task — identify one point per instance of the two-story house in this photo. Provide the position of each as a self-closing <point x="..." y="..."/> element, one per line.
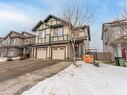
<point x="27" y="44"/>
<point x="53" y="39"/>
<point x="14" y="44"/>
<point x="1" y="43"/>
<point x="114" y="36"/>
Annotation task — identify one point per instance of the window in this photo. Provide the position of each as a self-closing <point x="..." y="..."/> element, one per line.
<point x="42" y="34"/>
<point x="27" y="40"/>
<point x="58" y="32"/>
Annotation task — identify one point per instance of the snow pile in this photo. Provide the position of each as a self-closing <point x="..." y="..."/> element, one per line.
<point x="84" y="80"/>
<point x="16" y="58"/>
<point x="3" y="59"/>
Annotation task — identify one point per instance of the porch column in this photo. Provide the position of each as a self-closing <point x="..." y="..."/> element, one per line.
<point x="84" y="47"/>
<point x="119" y="50"/>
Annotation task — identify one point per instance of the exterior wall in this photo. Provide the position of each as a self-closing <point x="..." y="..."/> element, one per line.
<point x="14" y="52"/>
<point x="10" y="52"/>
<point x="28" y="41"/>
<point x="2" y="52"/>
<point x="16" y="41"/>
<point x="83" y="33"/>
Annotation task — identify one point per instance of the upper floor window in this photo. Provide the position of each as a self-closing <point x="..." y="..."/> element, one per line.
<point x="26" y="40"/>
<point x="42" y="34"/>
<point x="58" y="32"/>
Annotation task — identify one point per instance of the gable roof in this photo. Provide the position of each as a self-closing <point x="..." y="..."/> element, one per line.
<point x="52" y="16"/>
<point x="16" y="35"/>
<point x="45" y="20"/>
<point x="29" y="35"/>
<point x="113" y="23"/>
<point x="117" y="21"/>
<point x="38" y="24"/>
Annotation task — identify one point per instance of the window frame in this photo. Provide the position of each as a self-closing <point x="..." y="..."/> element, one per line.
<point x="40" y="34"/>
<point x="58" y="32"/>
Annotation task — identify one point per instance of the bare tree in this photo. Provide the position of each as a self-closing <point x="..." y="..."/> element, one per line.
<point x="75" y="18"/>
<point x="123" y="12"/>
<point x="121" y="20"/>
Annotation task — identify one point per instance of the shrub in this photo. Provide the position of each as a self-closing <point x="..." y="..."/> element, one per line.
<point x="22" y="58"/>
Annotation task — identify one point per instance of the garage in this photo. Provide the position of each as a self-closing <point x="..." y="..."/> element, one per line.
<point x="41" y="53"/>
<point x="58" y="52"/>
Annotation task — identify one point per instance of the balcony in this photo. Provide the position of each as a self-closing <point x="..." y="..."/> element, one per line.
<point x="59" y="38"/>
<point x="50" y="39"/>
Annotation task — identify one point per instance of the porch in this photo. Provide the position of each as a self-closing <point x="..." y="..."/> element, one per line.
<point x="120" y="47"/>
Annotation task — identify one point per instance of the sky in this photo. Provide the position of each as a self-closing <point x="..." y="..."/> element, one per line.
<point x="23" y="15"/>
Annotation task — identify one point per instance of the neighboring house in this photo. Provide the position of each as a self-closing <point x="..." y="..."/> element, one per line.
<point x="114" y="36"/>
<point x="14" y="44"/>
<point x="1" y="43"/>
<point x="53" y="41"/>
<point x="27" y="44"/>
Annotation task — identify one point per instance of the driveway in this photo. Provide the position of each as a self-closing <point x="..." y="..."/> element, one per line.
<point x="16" y="68"/>
<point x="17" y="85"/>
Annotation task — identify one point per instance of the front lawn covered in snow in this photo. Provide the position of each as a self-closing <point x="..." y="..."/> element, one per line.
<point x="3" y="59"/>
<point x="84" y="80"/>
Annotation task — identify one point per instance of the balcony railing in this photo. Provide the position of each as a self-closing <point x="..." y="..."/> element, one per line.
<point x="59" y="38"/>
<point x="49" y="39"/>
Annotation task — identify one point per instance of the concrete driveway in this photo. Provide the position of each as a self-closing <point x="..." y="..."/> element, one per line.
<point x="20" y="83"/>
<point x="16" y="68"/>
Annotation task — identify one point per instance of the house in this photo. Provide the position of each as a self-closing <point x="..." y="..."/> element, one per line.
<point x="114" y="36"/>
<point x="1" y="43"/>
<point x="53" y="39"/>
<point x="16" y="44"/>
<point x="28" y="42"/>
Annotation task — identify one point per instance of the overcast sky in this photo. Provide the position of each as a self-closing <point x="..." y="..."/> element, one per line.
<point x="22" y="15"/>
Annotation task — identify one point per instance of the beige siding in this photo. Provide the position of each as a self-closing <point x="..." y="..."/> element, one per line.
<point x="81" y="34"/>
<point x="66" y="30"/>
<point x="47" y="31"/>
<point x="54" y="22"/>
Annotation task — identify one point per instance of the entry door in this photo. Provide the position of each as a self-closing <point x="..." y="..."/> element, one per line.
<point x="123" y="53"/>
<point x="58" y="53"/>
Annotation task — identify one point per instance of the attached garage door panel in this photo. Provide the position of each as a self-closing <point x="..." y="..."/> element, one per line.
<point x="58" y="53"/>
<point x="41" y="52"/>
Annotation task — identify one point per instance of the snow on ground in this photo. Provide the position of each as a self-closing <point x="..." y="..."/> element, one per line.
<point x="16" y="58"/>
<point x="84" y="80"/>
<point x="3" y="59"/>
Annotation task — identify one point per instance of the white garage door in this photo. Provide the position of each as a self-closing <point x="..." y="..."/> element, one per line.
<point x="58" y="53"/>
<point x="41" y="52"/>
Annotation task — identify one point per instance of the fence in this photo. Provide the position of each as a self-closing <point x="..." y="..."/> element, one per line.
<point x="103" y="56"/>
